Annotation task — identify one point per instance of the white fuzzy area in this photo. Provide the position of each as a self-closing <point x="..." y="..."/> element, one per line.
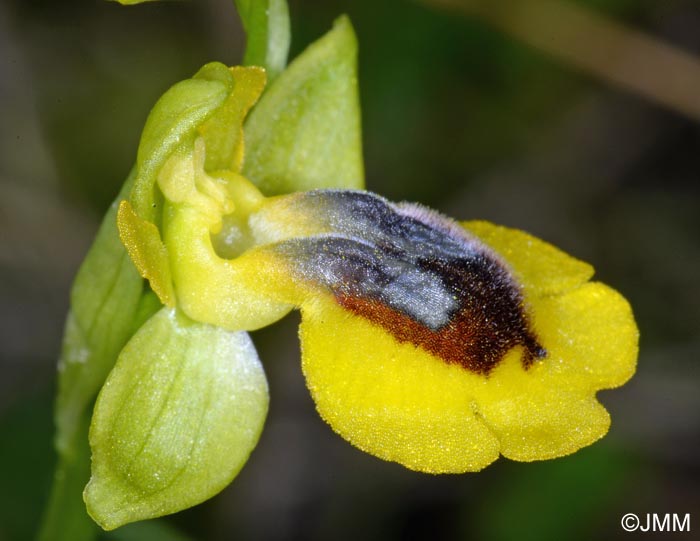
<point x="443" y="223"/>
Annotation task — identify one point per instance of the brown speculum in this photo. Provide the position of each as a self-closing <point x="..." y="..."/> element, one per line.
<point x="489" y="322"/>
<point x="416" y="274"/>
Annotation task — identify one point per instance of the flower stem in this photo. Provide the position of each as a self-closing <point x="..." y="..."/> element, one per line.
<point x="65" y="517"/>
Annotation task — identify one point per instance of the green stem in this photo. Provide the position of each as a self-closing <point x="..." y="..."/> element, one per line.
<point x="65" y="518"/>
<point x="108" y="303"/>
<point x="266" y="23"/>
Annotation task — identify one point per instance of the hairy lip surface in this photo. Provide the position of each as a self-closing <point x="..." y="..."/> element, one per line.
<point x="415" y="273"/>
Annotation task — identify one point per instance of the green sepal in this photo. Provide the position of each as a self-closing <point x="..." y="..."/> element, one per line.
<point x="105" y="298"/>
<point x="176" y="420"/>
<point x="173" y="124"/>
<point x="266" y="23"/>
<point x="305" y="132"/>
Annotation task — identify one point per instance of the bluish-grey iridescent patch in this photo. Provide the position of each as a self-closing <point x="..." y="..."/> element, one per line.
<point x="414" y="272"/>
<point x="352" y="267"/>
<point x="403" y="227"/>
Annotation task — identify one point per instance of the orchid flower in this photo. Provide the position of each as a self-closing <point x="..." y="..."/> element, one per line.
<point x="433" y="343"/>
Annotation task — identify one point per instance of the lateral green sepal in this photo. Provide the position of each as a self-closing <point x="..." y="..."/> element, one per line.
<point x="104" y="300"/>
<point x="176" y="420"/>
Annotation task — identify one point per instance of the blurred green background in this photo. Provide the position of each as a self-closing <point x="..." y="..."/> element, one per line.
<point x="458" y="113"/>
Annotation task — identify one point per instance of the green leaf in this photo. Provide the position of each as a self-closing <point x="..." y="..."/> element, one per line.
<point x="305" y="131"/>
<point x="105" y="298"/>
<point x="175" y="421"/>
<point x="267" y="24"/>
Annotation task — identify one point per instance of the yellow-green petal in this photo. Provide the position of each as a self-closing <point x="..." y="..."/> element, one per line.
<point x="223" y="131"/>
<point x="147" y="251"/>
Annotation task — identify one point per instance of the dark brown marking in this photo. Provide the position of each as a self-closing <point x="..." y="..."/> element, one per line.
<point x="490" y="322"/>
<point x="467" y="340"/>
<point x="415" y="273"/>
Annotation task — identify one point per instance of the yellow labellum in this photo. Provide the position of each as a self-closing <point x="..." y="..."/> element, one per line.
<point x="392" y="400"/>
<point x="401" y="403"/>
